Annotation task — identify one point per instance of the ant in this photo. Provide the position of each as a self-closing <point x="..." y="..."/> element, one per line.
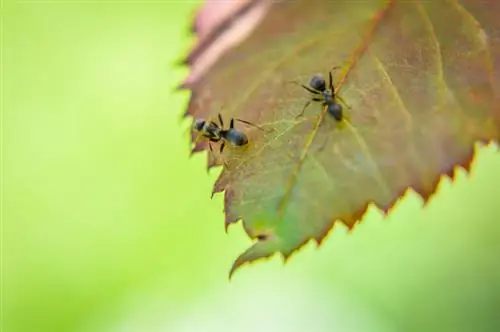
<point x="215" y="132"/>
<point x="317" y="87"/>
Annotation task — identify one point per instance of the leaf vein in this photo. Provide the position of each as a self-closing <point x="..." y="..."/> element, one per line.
<point x="487" y="46"/>
<point x="358" y="53"/>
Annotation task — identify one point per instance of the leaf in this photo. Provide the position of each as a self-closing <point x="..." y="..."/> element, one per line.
<point x="422" y="79"/>
<point x="220" y="26"/>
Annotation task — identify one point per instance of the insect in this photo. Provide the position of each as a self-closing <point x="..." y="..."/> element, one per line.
<point x="321" y="93"/>
<point x="216" y="133"/>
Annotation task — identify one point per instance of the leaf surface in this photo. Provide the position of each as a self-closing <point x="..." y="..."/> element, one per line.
<point x="422" y="79"/>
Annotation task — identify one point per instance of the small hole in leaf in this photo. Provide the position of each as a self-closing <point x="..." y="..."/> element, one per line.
<point x="262" y="237"/>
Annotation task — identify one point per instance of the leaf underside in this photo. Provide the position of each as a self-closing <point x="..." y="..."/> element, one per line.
<point x="422" y="79"/>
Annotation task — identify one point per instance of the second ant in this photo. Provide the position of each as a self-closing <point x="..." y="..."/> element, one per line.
<point x="217" y="133"/>
<point x="320" y="93"/>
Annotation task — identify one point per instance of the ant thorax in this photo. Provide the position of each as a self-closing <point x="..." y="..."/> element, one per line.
<point x="211" y="130"/>
<point x="327" y="95"/>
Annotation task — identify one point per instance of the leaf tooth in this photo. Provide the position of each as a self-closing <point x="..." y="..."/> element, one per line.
<point x="387" y="208"/>
<point x="212" y="161"/>
<point x="467" y="162"/>
<point x="221" y="183"/>
<point x="229" y="220"/>
<point x="323" y="233"/>
<point x="194" y="27"/>
<point x="180" y="62"/>
<point x="183" y="86"/>
<point x="199" y="147"/>
<point x="421" y="190"/>
<point x="349" y="220"/>
<point x="287" y="254"/>
<point x="230" y="216"/>
<point x="185" y="61"/>
<point x="435" y="183"/>
<point x="426" y="190"/>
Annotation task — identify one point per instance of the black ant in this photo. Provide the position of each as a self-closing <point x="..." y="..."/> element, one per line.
<point x="216" y="133"/>
<point x="317" y="87"/>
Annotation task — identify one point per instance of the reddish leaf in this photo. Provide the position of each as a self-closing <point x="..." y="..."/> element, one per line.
<point x="423" y="81"/>
<point x="221" y="26"/>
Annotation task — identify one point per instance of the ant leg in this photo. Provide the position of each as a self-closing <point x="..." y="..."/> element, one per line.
<point x="307" y="104"/>
<point x="221" y="121"/>
<point x="212" y="140"/>
<point x="223" y="144"/>
<point x="250" y="124"/>
<point x="231" y="124"/>
<point x="343" y="101"/>
<point x="303" y="109"/>
<point x="324" y="144"/>
<point x="294" y="82"/>
<point x="221" y="148"/>
<point x="305" y="87"/>
<point x="220" y="155"/>
<point x="310" y="90"/>
<point x="330" y="75"/>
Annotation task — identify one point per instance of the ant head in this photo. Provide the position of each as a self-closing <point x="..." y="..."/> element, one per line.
<point x="198" y="124"/>
<point x="317" y="82"/>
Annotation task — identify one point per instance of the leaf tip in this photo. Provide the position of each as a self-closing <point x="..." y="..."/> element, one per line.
<point x="265" y="247"/>
<point x="238" y="263"/>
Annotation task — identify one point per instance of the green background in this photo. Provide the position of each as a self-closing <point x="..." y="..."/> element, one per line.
<point x="107" y="224"/>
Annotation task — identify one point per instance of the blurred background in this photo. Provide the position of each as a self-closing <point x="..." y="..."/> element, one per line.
<point x="107" y="224"/>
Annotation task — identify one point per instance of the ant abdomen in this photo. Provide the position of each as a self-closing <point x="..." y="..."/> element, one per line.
<point x="335" y="110"/>
<point x="236" y="137"/>
<point x="318" y="82"/>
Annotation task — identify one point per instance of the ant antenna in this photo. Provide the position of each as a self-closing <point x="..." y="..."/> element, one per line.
<point x="250" y="124"/>
<point x="293" y="82"/>
<point x="334" y="68"/>
<point x="337" y="96"/>
<point x="343" y="101"/>
<point x="240" y="120"/>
